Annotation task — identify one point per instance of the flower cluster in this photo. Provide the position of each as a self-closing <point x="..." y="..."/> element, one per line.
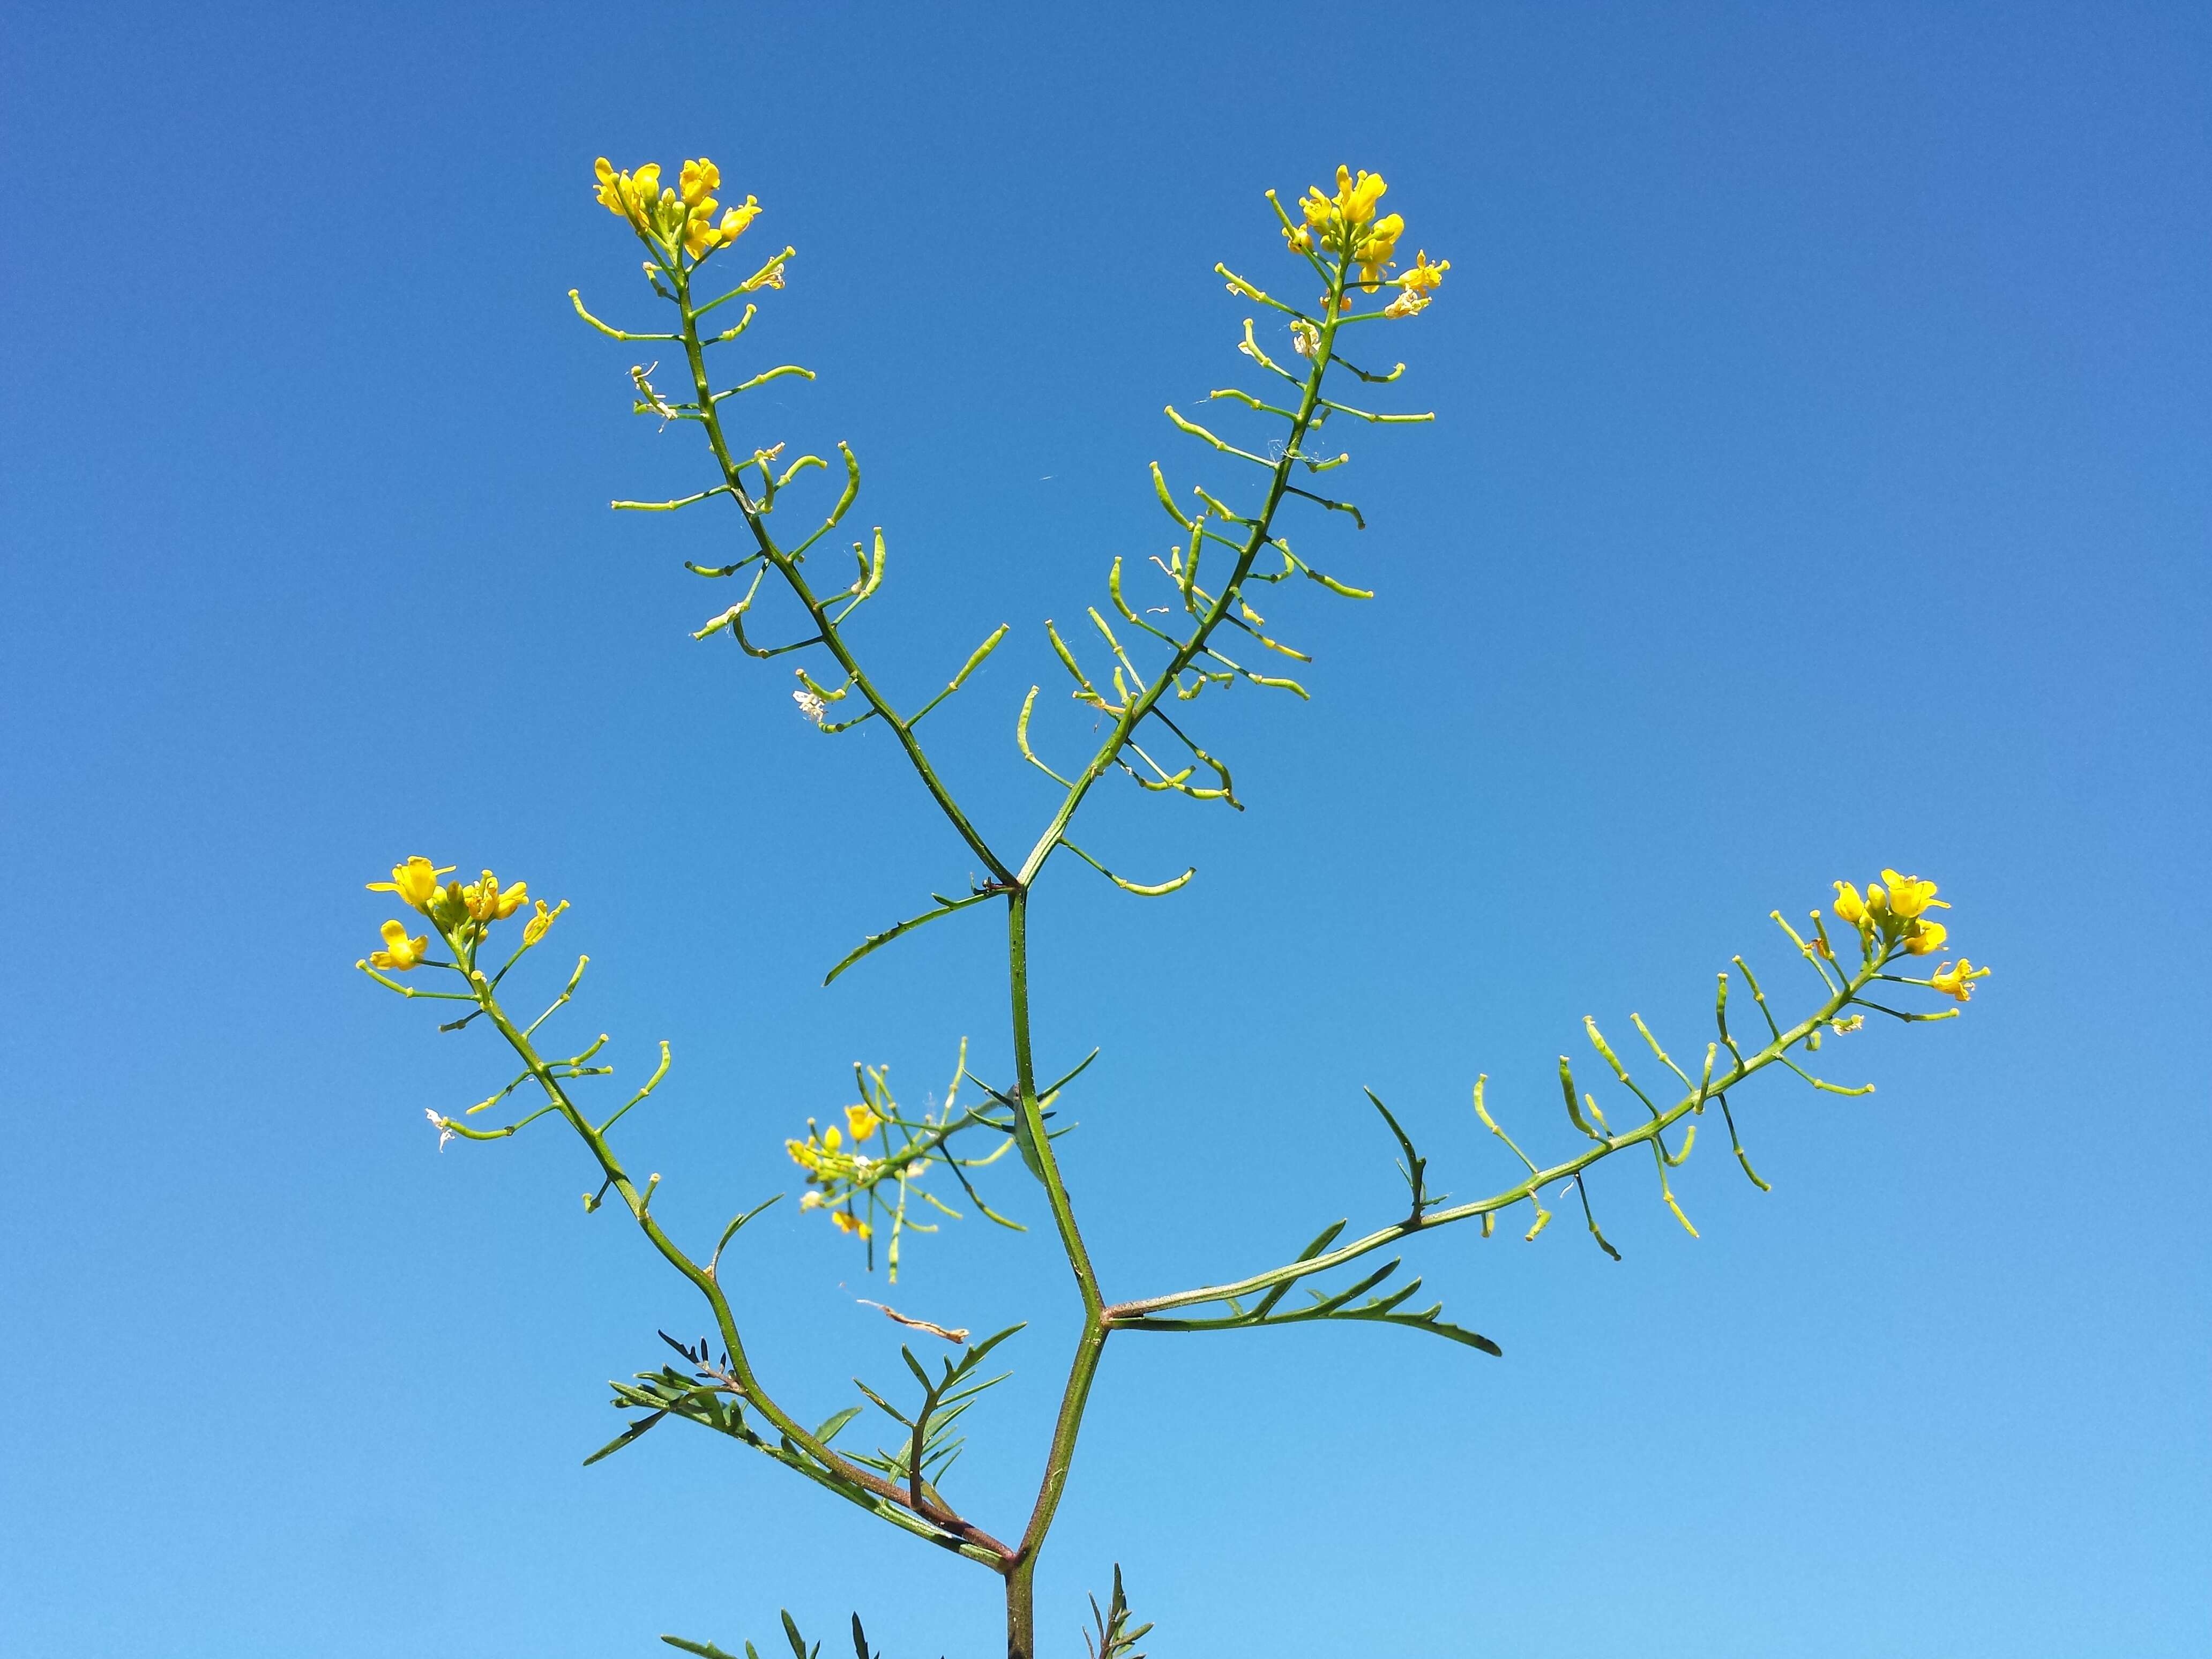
<point x="1344" y="224"/>
<point x="462" y="911"/>
<point x="668" y="216"/>
<point x="1894" y="912"/>
<point x="837" y="1176"/>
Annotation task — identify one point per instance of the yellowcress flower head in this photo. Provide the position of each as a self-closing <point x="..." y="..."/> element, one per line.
<point x="734" y="220"/>
<point x="1957" y="979"/>
<point x="534" y="929"/>
<point x="415" y="881"/>
<point x="487" y="901"/>
<point x="1923" y="938"/>
<point x="1849" y="907"/>
<point x="666" y="215"/>
<point x="1377" y="248"/>
<point x="860" y="1121"/>
<point x="1424" y="276"/>
<point x="1337" y="219"/>
<point x="1356" y="198"/>
<point x="1909" y="896"/>
<point x="400" y="952"/>
<point x="700" y="179"/>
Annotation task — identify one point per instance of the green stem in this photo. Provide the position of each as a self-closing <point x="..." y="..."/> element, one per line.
<point x="1026" y="1103"/>
<point x="1091" y="1345"/>
<point x="1139" y="707"/>
<point x="1021" y="1612"/>
<point x="1133" y="1314"/>
<point x="939" y="1526"/>
<point x="695" y="356"/>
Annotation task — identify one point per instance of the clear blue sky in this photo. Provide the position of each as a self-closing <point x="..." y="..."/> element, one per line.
<point x="1820" y="482"/>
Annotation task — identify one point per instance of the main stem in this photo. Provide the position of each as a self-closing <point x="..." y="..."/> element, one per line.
<point x="1021" y="1571"/>
<point x="1019" y="1565"/>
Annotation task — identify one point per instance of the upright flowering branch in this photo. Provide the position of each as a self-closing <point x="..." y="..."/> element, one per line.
<point x="875" y="1169"/>
<point x="463" y="917"/>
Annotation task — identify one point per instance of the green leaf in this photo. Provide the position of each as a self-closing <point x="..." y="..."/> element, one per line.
<point x="876" y="941"/>
<point x="1025" y="1144"/>
<point x="833" y="1425"/>
<point x="625" y="1437"/>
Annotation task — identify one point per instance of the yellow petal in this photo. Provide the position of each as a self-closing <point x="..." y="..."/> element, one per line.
<point x="735" y="220"/>
<point x="1908" y="895"/>
<point x="1927" y="936"/>
<point x="1849" y="906"/>
<point x="698" y="177"/>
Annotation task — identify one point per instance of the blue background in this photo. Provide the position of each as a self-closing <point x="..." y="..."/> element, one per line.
<point x="1820" y="483"/>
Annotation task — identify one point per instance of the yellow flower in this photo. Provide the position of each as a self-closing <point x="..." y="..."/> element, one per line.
<point x="1337" y="219"/>
<point x="700" y="179"/>
<point x="399" y="952"/>
<point x="1957" y="980"/>
<point x="1849" y="907"/>
<point x="415" y="881"/>
<point x="1378" y="248"/>
<point x="534" y="929"/>
<point x="848" y="1222"/>
<point x="1300" y="237"/>
<point x="627" y="196"/>
<point x="734" y="220"/>
<point x="700" y="236"/>
<point x="488" y="900"/>
<point x="1909" y="896"/>
<point x="1355" y="200"/>
<point x="831" y="1141"/>
<point x="610" y="191"/>
<point x="861" y="1122"/>
<point x="1923" y="938"/>
<point x="805" y="1154"/>
<point x="1424" y="276"/>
